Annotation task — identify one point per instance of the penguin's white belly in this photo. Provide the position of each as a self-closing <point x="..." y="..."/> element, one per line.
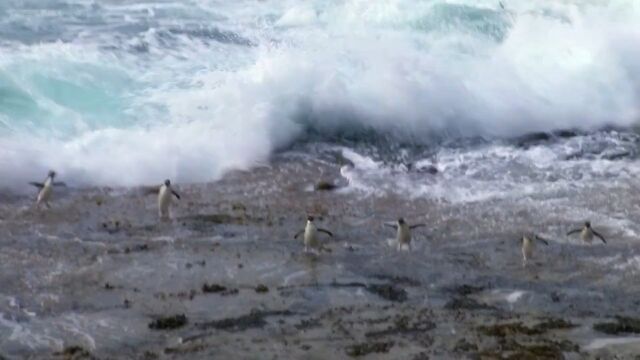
<point x="587" y="235"/>
<point x="527" y="250"/>
<point x="45" y="194"/>
<point x="164" y="201"/>
<point x="311" y="236"/>
<point x="404" y="236"/>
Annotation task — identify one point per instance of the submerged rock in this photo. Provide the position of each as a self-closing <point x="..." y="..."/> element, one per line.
<point x="169" y="323"/>
<point x="262" y="288"/>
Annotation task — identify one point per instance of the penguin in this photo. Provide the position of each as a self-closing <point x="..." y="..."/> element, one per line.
<point x="165" y="191"/>
<point x="403" y="235"/>
<point x="311" y="235"/>
<point x="46" y="189"/>
<point x="528" y="245"/>
<point x="587" y="233"/>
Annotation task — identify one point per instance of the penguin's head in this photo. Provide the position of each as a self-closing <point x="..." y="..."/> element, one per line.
<point x="310" y="218"/>
<point x="587" y="224"/>
<point x="167" y="183"/>
<point x="401" y="221"/>
<point x="51" y="174"/>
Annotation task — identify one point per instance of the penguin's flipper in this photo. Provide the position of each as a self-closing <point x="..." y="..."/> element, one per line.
<point x="150" y="190"/>
<point x="298" y="234"/>
<point x="175" y="194"/>
<point x="37" y="184"/>
<point x="391" y="225"/>
<point x="542" y="240"/>
<point x="574" y="232"/>
<point x="59" y="183"/>
<point x="325" y="231"/>
<point x="416" y="226"/>
<point x="600" y="236"/>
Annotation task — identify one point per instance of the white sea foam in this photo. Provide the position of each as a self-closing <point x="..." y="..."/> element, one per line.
<point x="191" y="104"/>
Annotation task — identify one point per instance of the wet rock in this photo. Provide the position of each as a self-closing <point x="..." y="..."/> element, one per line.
<point x="369" y="348"/>
<point x="546" y="349"/>
<point x="532" y="139"/>
<point x="325" y="186"/>
<point x="400" y="280"/>
<point x="403" y="325"/>
<point x="554" y="324"/>
<point x="420" y="356"/>
<point x="261" y="289"/>
<point x="305" y="347"/>
<point x="565" y="133"/>
<point x="623" y="325"/>
<point x="388" y="292"/>
<point x="305" y="324"/>
<point x="508" y="329"/>
<point x="150" y="355"/>
<point x="463" y="345"/>
<point x="213" y="288"/>
<point x="255" y="319"/>
<point x="108" y="286"/>
<point x="429" y="169"/>
<point x="185" y="349"/>
<point x="229" y="292"/>
<point x="464" y="303"/>
<point x="73" y="353"/>
<point x="466" y="290"/>
<point x="136" y="248"/>
<point x="220" y="219"/>
<point x="238" y="207"/>
<point x="168" y="323"/>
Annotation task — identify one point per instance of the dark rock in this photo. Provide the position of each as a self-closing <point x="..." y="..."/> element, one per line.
<point x="108" y="286"/>
<point x="508" y="329"/>
<point x="368" y="348"/>
<point x="465" y="290"/>
<point x="463" y="345"/>
<point x="388" y="292"/>
<point x="74" y="353"/>
<point x="624" y="325"/>
<point x="398" y="280"/>
<point x="305" y="347"/>
<point x="213" y="288"/>
<point x="136" y="248"/>
<point x="325" y="186"/>
<point x="308" y="324"/>
<point x="554" y="324"/>
<point x="229" y="292"/>
<point x="429" y="169"/>
<point x="532" y="139"/>
<point x="169" y="323"/>
<point x="466" y="304"/>
<point x="255" y="319"/>
<point x="565" y="133"/>
<point x="262" y="288"/>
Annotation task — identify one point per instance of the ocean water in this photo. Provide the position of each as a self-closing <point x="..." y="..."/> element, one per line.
<point x="128" y="92"/>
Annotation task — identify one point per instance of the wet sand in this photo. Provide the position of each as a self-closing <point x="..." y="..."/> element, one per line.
<point x="98" y="276"/>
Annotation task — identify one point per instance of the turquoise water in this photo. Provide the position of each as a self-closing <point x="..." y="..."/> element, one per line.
<point x="125" y="93"/>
